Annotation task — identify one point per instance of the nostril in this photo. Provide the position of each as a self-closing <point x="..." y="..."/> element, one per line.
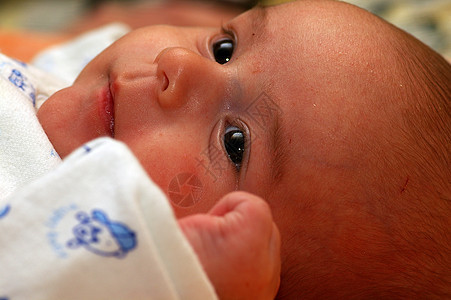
<point x="165" y="84"/>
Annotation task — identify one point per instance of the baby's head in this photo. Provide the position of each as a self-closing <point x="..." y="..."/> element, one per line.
<point x="339" y="120"/>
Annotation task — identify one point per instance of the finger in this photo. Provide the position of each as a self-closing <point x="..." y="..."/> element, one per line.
<point x="235" y="206"/>
<point x="230" y="203"/>
<point x="239" y="207"/>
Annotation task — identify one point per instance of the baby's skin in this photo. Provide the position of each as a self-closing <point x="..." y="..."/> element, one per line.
<point x="238" y="244"/>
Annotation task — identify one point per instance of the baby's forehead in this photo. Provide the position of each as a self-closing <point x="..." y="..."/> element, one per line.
<point x="315" y="8"/>
<point x="326" y="70"/>
<point x="336" y="15"/>
<point x="341" y="83"/>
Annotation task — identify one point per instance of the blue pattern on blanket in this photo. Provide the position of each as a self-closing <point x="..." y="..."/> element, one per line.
<point x="99" y="235"/>
<point x="87" y="148"/>
<point x="13" y="71"/>
<point x="20" y="81"/>
<point x="53" y="153"/>
<point x="3" y="212"/>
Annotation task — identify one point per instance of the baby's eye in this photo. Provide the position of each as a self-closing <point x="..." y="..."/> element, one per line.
<point x="234" y="143"/>
<point x="223" y="50"/>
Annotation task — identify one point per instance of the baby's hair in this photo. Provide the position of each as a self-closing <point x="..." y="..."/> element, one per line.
<point x="429" y="76"/>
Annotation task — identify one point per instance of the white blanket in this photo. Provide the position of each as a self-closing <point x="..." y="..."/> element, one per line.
<point x="66" y="61"/>
<point x="96" y="228"/>
<point x="25" y="151"/>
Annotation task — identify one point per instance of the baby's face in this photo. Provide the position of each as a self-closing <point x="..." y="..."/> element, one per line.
<point x="271" y="104"/>
<point x="181" y="99"/>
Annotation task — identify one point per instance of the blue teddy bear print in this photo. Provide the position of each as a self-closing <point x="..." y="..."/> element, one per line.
<point x="99" y="235"/>
<point x="20" y="81"/>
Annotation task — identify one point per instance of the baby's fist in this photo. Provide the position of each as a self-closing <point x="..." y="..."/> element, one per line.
<point x="238" y="245"/>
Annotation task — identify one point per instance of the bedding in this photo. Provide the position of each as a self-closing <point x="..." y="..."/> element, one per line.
<point x="25" y="151"/>
<point x="96" y="227"/>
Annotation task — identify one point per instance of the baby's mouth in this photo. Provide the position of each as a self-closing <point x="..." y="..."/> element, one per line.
<point x="107" y="109"/>
<point x="110" y="110"/>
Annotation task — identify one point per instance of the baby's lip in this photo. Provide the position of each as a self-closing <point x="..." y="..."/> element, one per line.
<point x="106" y="109"/>
<point x="132" y="94"/>
<point x="110" y="108"/>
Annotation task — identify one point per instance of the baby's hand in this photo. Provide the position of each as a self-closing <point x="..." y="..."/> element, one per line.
<point x="238" y="245"/>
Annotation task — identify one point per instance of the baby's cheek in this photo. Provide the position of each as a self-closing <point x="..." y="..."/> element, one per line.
<point x="193" y="192"/>
<point x="185" y="191"/>
<point x="184" y="183"/>
<point x="192" y="183"/>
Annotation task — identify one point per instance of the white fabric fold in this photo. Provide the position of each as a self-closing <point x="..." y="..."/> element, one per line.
<point x="65" y="61"/>
<point x="96" y="227"/>
<point x="25" y="151"/>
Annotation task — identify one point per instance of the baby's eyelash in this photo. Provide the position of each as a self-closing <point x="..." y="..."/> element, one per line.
<point x="227" y="31"/>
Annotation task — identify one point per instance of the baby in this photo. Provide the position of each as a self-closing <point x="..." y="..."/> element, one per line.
<point x="338" y="119"/>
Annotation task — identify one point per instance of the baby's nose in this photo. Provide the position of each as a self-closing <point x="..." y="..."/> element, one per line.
<point x="186" y="77"/>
